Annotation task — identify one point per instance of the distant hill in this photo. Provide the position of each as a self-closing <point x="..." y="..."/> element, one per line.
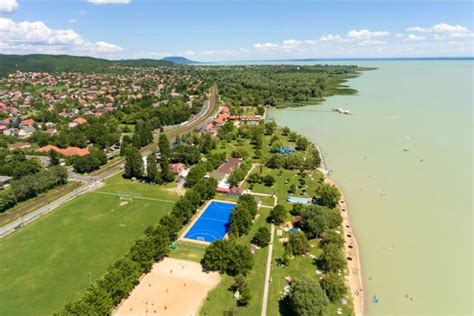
<point x="180" y="60"/>
<point x="58" y="63"/>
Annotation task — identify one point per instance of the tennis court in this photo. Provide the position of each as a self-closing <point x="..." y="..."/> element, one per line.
<point x="213" y="223"/>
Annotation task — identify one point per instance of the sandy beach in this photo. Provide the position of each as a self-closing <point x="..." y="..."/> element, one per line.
<point x="354" y="279"/>
<point x="172" y="287"/>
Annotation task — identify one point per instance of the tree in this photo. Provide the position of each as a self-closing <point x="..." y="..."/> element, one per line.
<point x="166" y="175"/>
<point x="245" y="295"/>
<point x="334" y="286"/>
<point x="329" y="195"/>
<point x="332" y="258"/>
<point x="54" y="158"/>
<point x="302" y="143"/>
<point x="85" y="164"/>
<point x="268" y="180"/>
<point x="226" y="256"/>
<point x="133" y="163"/>
<point x="262" y="237"/>
<point x="164" y="146"/>
<point x="151" y="169"/>
<point x="313" y="223"/>
<point x="207" y="143"/>
<point x="278" y="215"/>
<point x="298" y="244"/>
<point x="196" y="173"/>
<point x="99" y="155"/>
<point x="240" y="221"/>
<point x="7" y="199"/>
<point x="307" y="298"/>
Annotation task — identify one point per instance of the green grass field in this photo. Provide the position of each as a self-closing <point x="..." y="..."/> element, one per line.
<point x="221" y="299"/>
<point x="47" y="263"/>
<point x="300" y="266"/>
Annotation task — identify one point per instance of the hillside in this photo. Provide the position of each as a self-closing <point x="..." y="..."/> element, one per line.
<point x="57" y="63"/>
<point x="180" y="60"/>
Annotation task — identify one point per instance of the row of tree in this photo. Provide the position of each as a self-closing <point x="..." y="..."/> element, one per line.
<point x="30" y="186"/>
<point x="122" y="276"/>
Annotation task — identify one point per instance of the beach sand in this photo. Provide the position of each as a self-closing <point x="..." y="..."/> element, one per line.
<point x="354" y="280"/>
<point x="172" y="287"/>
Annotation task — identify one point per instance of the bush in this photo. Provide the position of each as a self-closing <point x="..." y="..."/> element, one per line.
<point x="278" y="215"/>
<point x="268" y="180"/>
<point x="308" y="299"/>
<point x="298" y="244"/>
<point x="262" y="237"/>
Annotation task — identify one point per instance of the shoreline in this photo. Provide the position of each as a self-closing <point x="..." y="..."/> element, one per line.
<point x="351" y="248"/>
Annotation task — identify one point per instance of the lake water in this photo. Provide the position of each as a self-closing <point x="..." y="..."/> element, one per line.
<point x="404" y="161"/>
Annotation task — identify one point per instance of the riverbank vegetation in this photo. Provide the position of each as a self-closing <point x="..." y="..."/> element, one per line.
<point x="279" y="85"/>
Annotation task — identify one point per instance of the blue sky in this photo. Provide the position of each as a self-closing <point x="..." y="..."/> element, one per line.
<point x="237" y="30"/>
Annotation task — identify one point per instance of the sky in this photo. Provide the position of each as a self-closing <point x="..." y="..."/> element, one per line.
<point x="219" y="30"/>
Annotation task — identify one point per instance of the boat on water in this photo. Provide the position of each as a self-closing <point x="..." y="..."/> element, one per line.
<point x="342" y="111"/>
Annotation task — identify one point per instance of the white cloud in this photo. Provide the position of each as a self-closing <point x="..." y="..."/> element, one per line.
<point x="413" y="37"/>
<point x="446" y="28"/>
<point x="109" y="1"/>
<point x="72" y="20"/>
<point x="82" y="12"/>
<point x="291" y="43"/>
<point x="418" y="29"/>
<point x="265" y="46"/>
<point x="8" y="6"/>
<point x="399" y="35"/>
<point x="188" y="53"/>
<point x="37" y="37"/>
<point x="330" y="38"/>
<point x="366" y="34"/>
<point x="439" y="28"/>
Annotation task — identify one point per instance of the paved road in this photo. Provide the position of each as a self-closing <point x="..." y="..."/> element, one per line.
<point x="20" y="222"/>
<point x="267" y="273"/>
<point x="93" y="182"/>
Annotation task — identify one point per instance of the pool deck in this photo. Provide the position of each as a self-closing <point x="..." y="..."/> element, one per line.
<point x="195" y="218"/>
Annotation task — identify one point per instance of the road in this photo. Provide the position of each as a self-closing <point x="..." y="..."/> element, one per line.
<point x="93" y="181"/>
<point x="267" y="273"/>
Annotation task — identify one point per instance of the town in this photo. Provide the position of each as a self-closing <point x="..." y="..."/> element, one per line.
<point x="202" y="153"/>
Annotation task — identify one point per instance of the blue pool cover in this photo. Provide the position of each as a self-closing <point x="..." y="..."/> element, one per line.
<point x="213" y="223"/>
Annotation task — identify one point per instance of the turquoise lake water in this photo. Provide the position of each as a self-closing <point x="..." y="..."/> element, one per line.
<point x="404" y="161"/>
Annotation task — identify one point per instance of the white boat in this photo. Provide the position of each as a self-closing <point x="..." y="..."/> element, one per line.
<point x="342" y="111"/>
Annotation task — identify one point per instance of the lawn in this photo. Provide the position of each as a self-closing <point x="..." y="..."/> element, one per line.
<point x="301" y="266"/>
<point x="284" y="179"/>
<point x="221" y="299"/>
<point x="48" y="262"/>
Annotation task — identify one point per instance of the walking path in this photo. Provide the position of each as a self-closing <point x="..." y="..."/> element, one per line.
<point x="267" y="273"/>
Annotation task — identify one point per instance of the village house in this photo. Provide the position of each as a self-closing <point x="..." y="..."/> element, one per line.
<point x="4" y="181"/>
<point x="77" y="121"/>
<point x="67" y="152"/>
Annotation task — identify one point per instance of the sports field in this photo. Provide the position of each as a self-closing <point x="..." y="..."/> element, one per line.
<point x="213" y="223"/>
<point x="51" y="261"/>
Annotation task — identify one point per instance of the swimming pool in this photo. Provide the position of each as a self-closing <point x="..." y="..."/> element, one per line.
<point x="213" y="223"/>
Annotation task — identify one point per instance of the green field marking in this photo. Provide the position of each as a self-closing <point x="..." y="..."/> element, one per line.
<point x="132" y="196"/>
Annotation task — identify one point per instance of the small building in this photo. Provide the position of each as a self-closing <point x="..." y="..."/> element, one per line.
<point x="67" y="152"/>
<point x="229" y="166"/>
<point x="27" y="123"/>
<point x="4" y="181"/>
<point x="235" y="191"/>
<point x="77" y="121"/>
<point x="21" y="145"/>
